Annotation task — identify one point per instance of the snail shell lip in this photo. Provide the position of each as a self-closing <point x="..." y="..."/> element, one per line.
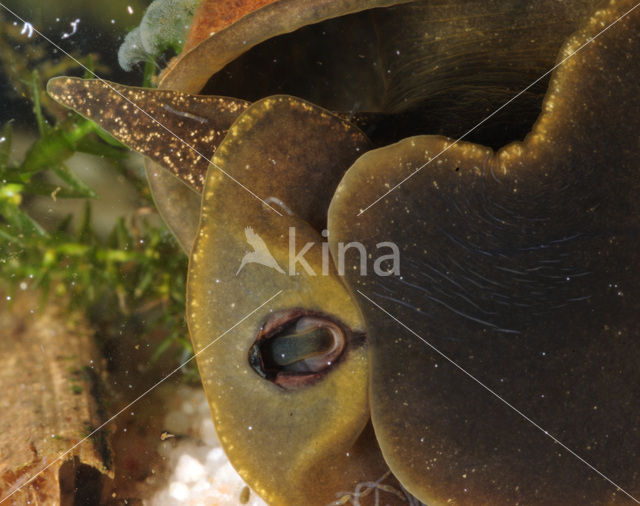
<point x="298" y="319"/>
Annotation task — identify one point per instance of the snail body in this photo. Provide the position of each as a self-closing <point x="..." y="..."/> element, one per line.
<point x="497" y="352"/>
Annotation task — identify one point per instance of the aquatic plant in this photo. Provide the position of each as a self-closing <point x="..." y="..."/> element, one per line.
<point x="134" y="270"/>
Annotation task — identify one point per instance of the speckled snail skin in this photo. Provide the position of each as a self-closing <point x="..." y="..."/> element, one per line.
<point x="520" y="265"/>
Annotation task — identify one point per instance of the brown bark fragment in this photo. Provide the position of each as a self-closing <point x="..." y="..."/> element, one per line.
<point x="50" y="375"/>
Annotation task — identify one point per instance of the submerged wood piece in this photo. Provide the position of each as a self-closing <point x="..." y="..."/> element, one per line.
<point x="50" y="372"/>
<point x="522" y="267"/>
<point x="277" y="439"/>
<point x="177" y="130"/>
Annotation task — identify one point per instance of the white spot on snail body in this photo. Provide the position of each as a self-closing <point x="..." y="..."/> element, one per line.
<point x="279" y="203"/>
<point x="187" y="115"/>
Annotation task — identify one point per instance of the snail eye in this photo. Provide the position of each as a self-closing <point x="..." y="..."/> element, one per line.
<point x="297" y="348"/>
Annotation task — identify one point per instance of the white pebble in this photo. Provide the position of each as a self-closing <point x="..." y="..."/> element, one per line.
<point x="188" y="407"/>
<point x="216" y="457"/>
<point x="189" y="469"/>
<point x="179" y="491"/>
<point x="208" y="432"/>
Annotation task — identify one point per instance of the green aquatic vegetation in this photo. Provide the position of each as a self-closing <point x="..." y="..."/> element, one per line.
<point x="136" y="272"/>
<point x="163" y="27"/>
